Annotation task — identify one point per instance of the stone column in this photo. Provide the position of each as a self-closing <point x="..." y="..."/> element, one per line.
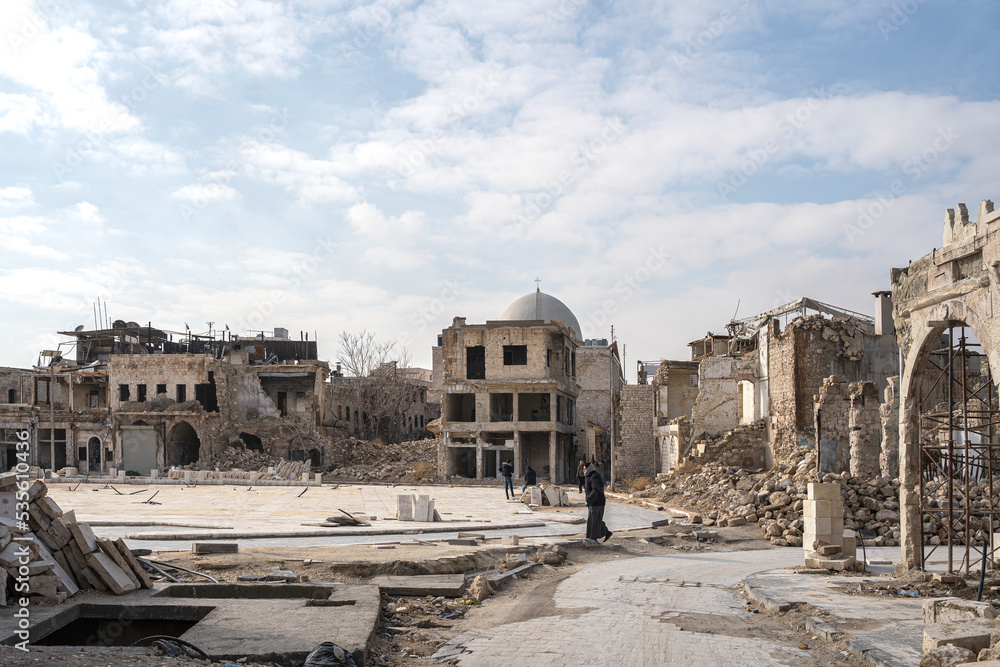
<point x="865" y="431"/>
<point x="909" y="477"/>
<point x="552" y="458"/>
<point x="831" y="408"/>
<point x="889" y="414"/>
<point x="479" y="456"/>
<point x="517" y="453"/>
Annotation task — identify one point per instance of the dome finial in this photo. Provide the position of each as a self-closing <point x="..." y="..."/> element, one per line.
<point x="538" y="284"/>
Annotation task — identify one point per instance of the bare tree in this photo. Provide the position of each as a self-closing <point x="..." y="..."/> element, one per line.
<point x="379" y="388"/>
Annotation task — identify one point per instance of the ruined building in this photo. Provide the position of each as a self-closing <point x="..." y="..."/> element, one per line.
<point x="510" y="391"/>
<point x="948" y="327"/>
<point x="747" y="397"/>
<point x="140" y="399"/>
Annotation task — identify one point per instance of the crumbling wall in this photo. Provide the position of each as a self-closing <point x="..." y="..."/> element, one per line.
<point x="673" y="439"/>
<point x="635" y="454"/>
<point x="594" y="373"/>
<point x="832" y="425"/>
<point x="865" y="426"/>
<point x="889" y="416"/>
<point x="808" y="351"/>
<point x="716" y="409"/>
<point x="744" y="447"/>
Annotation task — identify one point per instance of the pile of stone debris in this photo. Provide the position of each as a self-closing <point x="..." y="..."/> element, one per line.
<point x="725" y="496"/>
<point x="411" y="461"/>
<point x="252" y="460"/>
<point x="55" y="555"/>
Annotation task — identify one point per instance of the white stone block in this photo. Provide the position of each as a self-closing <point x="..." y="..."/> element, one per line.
<point x="404" y="507"/>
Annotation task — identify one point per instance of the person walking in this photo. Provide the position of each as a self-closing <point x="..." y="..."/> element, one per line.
<point x="506" y="469"/>
<point x="581" y="475"/>
<point x="529" y="479"/>
<point x="596" y="528"/>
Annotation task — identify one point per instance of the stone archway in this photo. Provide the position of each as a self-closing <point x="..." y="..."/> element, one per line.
<point x="94" y="455"/>
<point x="252" y="442"/>
<point x="940" y="324"/>
<point x="183" y="445"/>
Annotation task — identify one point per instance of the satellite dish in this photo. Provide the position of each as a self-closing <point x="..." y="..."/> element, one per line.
<point x="118" y="324"/>
<point x="79" y="327"/>
<point x="133" y="325"/>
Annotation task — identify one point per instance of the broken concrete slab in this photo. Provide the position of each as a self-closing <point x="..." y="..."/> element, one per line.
<point x="84" y="537"/>
<point x="446" y="585"/>
<point x="215" y="548"/>
<point x="942" y="610"/>
<point x="109" y="572"/>
<point x="973" y="635"/>
<point x="947" y="656"/>
<point x="404" y="507"/>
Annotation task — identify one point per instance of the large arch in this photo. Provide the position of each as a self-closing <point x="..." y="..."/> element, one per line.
<point x="183" y="445"/>
<point x="252" y="442"/>
<point x="933" y="321"/>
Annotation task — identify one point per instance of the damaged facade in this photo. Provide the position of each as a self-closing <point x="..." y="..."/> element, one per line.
<point x="510" y="391"/>
<point x="750" y="395"/>
<point x="133" y="398"/>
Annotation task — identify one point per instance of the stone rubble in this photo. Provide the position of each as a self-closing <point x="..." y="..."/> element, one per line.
<point x="727" y="496"/>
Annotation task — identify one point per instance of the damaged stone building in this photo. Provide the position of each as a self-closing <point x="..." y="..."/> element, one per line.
<point x="948" y="325"/>
<point x="141" y="399"/>
<point x="748" y="397"/>
<point x="510" y="391"/>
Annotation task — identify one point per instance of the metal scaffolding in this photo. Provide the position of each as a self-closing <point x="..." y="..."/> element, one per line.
<point x="959" y="452"/>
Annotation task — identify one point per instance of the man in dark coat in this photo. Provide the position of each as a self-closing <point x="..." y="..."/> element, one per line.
<point x="506" y="469"/>
<point x="529" y="478"/>
<point x="581" y="475"/>
<point x="594" y="488"/>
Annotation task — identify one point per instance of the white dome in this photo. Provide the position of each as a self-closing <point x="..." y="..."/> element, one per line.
<point x="541" y="306"/>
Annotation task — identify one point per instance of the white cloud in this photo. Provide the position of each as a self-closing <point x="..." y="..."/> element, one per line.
<point x="86" y="213"/>
<point x="205" y="192"/>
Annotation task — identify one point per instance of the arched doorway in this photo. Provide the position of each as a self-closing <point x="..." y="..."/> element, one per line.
<point x="12" y="395"/>
<point x="315" y="458"/>
<point x="950" y="429"/>
<point x="252" y="442"/>
<point x="183" y="445"/>
<point x="94" y="455"/>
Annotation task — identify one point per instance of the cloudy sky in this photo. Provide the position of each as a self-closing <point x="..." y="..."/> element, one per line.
<point x="324" y="165"/>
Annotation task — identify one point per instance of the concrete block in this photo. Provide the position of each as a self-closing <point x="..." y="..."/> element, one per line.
<point x="945" y="610"/>
<point x="947" y="656"/>
<point x="849" y="544"/>
<point x="137" y="569"/>
<point x="215" y="548"/>
<point x="552" y="495"/>
<point x="446" y="585"/>
<point x="423" y="510"/>
<point x="510" y="539"/>
<point x="973" y="635"/>
<point x="109" y="572"/>
<point x="84" y="537"/>
<point x="154" y="474"/>
<point x="49" y="506"/>
<point x="404" y="507"/>
<point x="65" y="578"/>
<point x="825" y="491"/>
<point x="93" y="580"/>
<point x="835" y="564"/>
<point x="109" y="548"/>
<point x="536" y="496"/>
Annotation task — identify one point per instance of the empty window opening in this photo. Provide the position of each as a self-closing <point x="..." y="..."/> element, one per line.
<point x="315" y="458"/>
<point x="461" y="407"/>
<point x="515" y="355"/>
<point x="475" y="362"/>
<point x="533" y="407"/>
<point x="93" y="399"/>
<point x="182" y="393"/>
<point x="52" y="448"/>
<point x="161" y="389"/>
<point x="693" y="380"/>
<point x="140" y="393"/>
<point x="12" y="395"/>
<point x="501" y="407"/>
<point x="123" y="393"/>
<point x="283" y="403"/>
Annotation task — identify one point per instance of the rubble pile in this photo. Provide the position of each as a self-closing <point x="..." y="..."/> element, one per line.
<point x="773" y="499"/>
<point x="53" y="553"/>
<point x="239" y="459"/>
<point x="411" y="461"/>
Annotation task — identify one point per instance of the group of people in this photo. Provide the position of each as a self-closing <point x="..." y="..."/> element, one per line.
<point x="589" y="482"/>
